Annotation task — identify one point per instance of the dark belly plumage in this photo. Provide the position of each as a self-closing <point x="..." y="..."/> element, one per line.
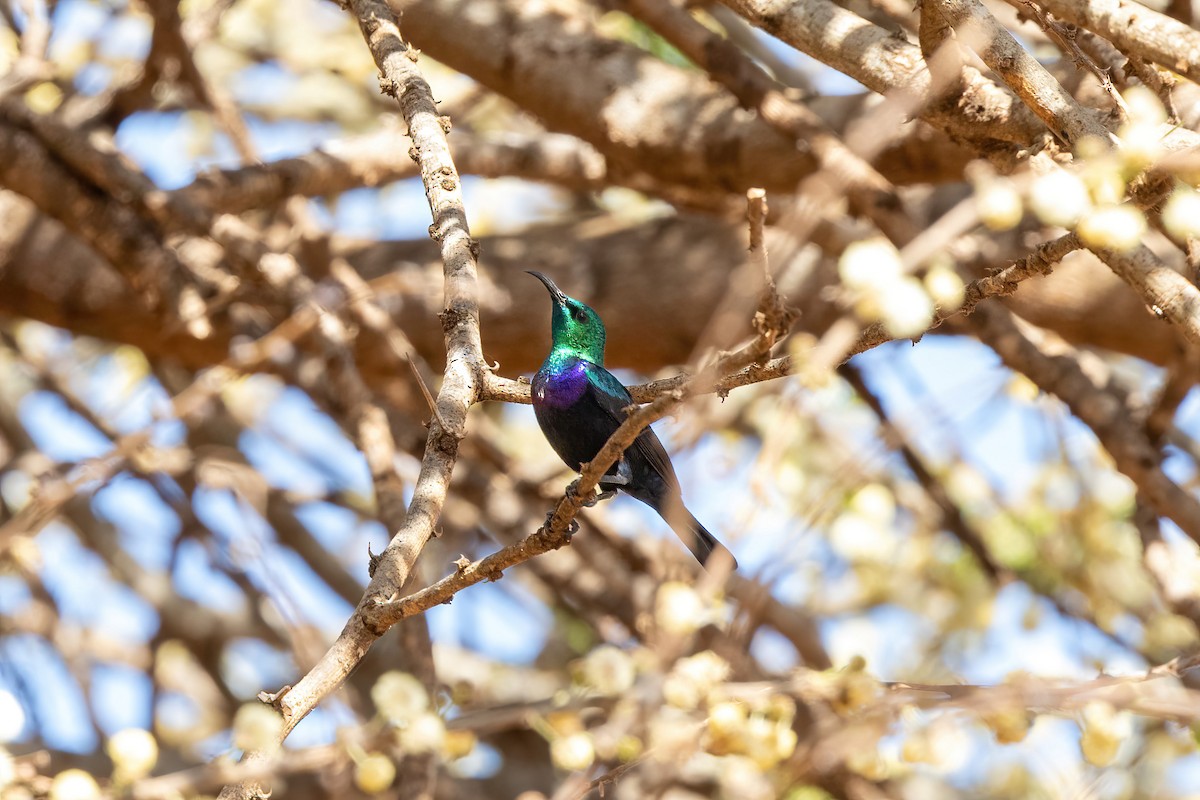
<point x="579" y="406"/>
<point x="574" y="424"/>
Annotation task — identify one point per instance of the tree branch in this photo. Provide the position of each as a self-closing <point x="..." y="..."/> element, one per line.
<point x="465" y="367"/>
<point x="1137" y="30"/>
<point x="1103" y="408"/>
<point x="1044" y="95"/>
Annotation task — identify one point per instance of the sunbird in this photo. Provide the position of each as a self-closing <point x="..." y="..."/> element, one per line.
<point x="579" y="404"/>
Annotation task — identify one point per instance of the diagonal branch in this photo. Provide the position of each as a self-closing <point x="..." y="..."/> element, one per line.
<point x="885" y="64"/>
<point x="1137" y="30"/>
<point x="551" y="536"/>
<point x="1102" y="407"/>
<point x="871" y="193"/>
<point x="465" y="369"/>
<point x="1045" y="96"/>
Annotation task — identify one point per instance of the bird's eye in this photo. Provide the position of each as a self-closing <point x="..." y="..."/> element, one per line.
<point x="580" y="315"/>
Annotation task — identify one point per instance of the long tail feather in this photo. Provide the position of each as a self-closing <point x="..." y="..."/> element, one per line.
<point x="697" y="538"/>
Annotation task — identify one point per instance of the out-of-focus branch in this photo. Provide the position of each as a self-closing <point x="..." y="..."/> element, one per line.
<point x="952" y="517"/>
<point x="886" y="64"/>
<point x="190" y="401"/>
<point x="1168" y="294"/>
<point x="1001" y="284"/>
<point x="1019" y="70"/>
<point x="547" y="60"/>
<point x="1161" y="564"/>
<point x="870" y="193"/>
<point x="380" y="157"/>
<point x="1103" y="408"/>
<point x="464" y="366"/>
<point x="111" y="228"/>
<point x="1137" y="30"/>
<point x="198" y="780"/>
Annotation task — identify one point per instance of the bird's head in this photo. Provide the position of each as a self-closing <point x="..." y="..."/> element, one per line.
<point x="576" y="328"/>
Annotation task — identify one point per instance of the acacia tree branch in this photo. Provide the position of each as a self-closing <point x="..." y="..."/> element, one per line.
<point x="870" y="193"/>
<point x="1169" y="295"/>
<point x="379" y="158"/>
<point x="195" y="780"/>
<point x="465" y="369"/>
<point x="112" y="229"/>
<point x="551" y="536"/>
<point x="1085" y="49"/>
<point x="1045" y="96"/>
<point x="843" y="40"/>
<point x="1144" y="694"/>
<point x="1136" y="30"/>
<point x="551" y="61"/>
<point x="1103" y="408"/>
<point x="1001" y="284"/>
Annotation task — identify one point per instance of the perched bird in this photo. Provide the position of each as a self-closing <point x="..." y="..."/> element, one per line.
<point x="579" y="404"/>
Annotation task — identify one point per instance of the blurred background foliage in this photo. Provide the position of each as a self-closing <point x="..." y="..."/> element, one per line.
<point x="920" y="518"/>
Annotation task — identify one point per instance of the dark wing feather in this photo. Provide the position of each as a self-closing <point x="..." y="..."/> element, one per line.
<point x="613" y="398"/>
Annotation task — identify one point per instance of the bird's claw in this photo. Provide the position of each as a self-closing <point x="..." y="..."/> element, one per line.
<point x="605" y="494"/>
<point x="572" y="528"/>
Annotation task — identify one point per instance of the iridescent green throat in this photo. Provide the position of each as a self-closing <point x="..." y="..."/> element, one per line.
<point x="578" y="333"/>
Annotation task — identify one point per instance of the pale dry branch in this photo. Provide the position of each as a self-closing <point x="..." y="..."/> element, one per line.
<point x="870" y="193"/>
<point x="551" y="536"/>
<point x="1168" y="294"/>
<point x="1045" y="96"/>
<point x="886" y="64"/>
<point x="1103" y="408"/>
<point x="379" y="158"/>
<point x="197" y="780"/>
<point x="1137" y="30"/>
<point x="465" y="367"/>
<point x="1073" y="42"/>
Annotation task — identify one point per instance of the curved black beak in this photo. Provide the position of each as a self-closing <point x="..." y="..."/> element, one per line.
<point x="555" y="292"/>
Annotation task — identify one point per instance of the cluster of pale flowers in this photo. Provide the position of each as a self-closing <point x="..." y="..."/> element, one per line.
<point x="1090" y="198"/>
<point x="404" y="705"/>
<point x="683" y="711"/>
<point x="133" y="751"/>
<point x="883" y="290"/>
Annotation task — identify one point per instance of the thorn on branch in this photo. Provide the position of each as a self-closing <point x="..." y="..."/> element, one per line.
<point x="437" y="415"/>
<point x="275" y="699"/>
